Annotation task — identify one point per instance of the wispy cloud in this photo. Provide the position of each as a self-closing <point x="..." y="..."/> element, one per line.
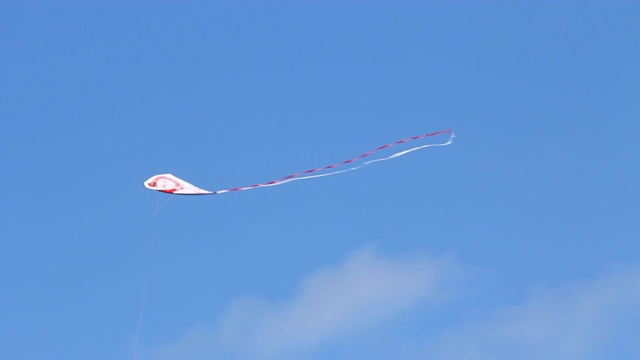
<point x="336" y="304"/>
<point x="336" y="301"/>
<point x="595" y="320"/>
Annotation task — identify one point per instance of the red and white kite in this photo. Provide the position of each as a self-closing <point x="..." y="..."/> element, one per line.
<point x="173" y="185"/>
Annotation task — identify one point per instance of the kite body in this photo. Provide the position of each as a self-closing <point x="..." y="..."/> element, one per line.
<point x="170" y="184"/>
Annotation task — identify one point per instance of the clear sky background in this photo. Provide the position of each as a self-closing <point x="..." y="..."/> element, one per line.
<point x="518" y="241"/>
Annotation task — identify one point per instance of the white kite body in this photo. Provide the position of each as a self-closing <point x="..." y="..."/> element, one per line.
<point x="170" y="184"/>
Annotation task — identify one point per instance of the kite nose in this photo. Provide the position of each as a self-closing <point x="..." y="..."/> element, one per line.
<point x="152" y="184"/>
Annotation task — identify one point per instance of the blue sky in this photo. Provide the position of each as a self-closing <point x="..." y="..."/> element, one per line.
<point x="519" y="240"/>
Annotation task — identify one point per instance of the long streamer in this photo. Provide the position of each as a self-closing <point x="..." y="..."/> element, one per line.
<point x="299" y="175"/>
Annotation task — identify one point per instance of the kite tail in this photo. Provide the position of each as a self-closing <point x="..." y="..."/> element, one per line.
<point x="298" y="176"/>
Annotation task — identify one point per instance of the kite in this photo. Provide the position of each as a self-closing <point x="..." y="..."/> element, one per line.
<point x="171" y="184"/>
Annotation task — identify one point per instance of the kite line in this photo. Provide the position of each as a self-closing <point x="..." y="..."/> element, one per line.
<point x="145" y="284"/>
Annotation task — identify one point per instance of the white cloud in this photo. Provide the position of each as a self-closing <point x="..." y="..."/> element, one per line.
<point x="593" y="321"/>
<point x="336" y="305"/>
<point x="333" y="302"/>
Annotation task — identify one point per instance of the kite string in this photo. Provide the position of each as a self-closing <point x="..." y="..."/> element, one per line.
<point x="295" y="177"/>
<point x="146" y="274"/>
